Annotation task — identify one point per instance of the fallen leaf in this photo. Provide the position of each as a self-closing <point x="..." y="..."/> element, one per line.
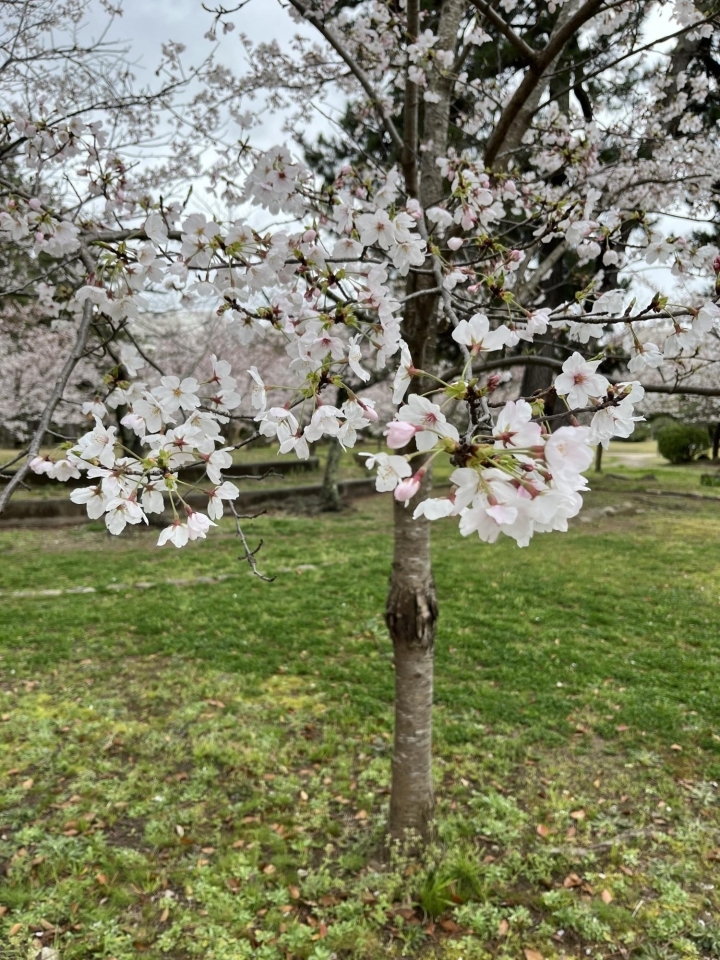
<point x="3" y="911"/>
<point x="216" y="703"/>
<point x="164" y="915"/>
<point x="207" y="849"/>
<point x="15" y="928"/>
<point x="622" y="728"/>
<point x="238" y="845"/>
<point x="294" y="892"/>
<point x="542" y="830"/>
<point x="503" y="928"/>
<point x="101" y="879"/>
<point x="27" y="784"/>
<point x="180" y="831"/>
<point x="361" y="815"/>
<point x="627" y="871"/>
<point x="606" y="896"/>
<point x="572" y="880"/>
<point x="269" y="869"/>
<point x="578" y="814"/>
<point x="532" y="954"/>
<point x="449" y="926"/>
<point x="675" y="746"/>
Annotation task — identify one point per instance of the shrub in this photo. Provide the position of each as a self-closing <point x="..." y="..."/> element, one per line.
<point x="682" y="442"/>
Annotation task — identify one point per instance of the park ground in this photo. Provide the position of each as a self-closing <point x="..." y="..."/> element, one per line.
<point x="194" y="763"/>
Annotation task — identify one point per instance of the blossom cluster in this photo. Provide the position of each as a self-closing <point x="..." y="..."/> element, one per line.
<point x="515" y="476"/>
<point x="180" y="422"/>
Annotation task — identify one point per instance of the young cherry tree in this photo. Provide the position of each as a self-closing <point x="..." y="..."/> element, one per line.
<point x="488" y="198"/>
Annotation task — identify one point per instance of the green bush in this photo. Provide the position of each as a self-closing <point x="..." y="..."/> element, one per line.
<point x="682" y="442"/>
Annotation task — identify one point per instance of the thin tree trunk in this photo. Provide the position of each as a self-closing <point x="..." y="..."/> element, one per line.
<point x="598" y="458"/>
<point x="716" y="441"/>
<point x="330" y="493"/>
<point x="411" y="618"/>
<point x="411" y="611"/>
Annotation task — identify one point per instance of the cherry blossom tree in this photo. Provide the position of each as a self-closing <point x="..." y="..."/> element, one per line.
<point x="492" y="184"/>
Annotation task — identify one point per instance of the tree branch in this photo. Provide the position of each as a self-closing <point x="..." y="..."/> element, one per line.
<point x="506" y="30"/>
<point x="515" y="113"/>
<point x="337" y="44"/>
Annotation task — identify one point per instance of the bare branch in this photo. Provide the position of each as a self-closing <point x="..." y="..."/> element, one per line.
<point x="506" y="30"/>
<point x="249" y="554"/>
<point x="337" y="44"/>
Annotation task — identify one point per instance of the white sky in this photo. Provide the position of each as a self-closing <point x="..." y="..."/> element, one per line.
<point x="147" y="24"/>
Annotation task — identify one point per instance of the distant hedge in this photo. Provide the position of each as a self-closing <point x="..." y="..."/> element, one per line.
<point x="682" y="442"/>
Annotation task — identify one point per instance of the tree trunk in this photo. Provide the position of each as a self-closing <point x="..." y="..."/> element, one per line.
<point x="598" y="458"/>
<point x="411" y="610"/>
<point x="330" y="494"/>
<point x="716" y="441"/>
<point x="411" y="616"/>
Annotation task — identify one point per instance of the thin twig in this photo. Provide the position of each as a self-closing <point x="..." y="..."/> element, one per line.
<point x="249" y="554"/>
<point x="9" y="463"/>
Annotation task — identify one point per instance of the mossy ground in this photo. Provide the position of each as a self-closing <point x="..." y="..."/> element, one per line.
<point x="201" y="769"/>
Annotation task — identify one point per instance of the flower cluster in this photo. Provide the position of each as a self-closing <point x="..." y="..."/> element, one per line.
<point x="179" y="421"/>
<point x="517" y="477"/>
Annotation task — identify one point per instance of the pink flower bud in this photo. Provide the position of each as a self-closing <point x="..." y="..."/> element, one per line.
<point x="454" y="243"/>
<point x="406" y="489"/>
<point x="515" y="256"/>
<point x="34" y="203"/>
<point x="309" y="236"/>
<point x="368" y="412"/>
<point x="494" y="381"/>
<point x="399" y="433"/>
<point x="716" y="264"/>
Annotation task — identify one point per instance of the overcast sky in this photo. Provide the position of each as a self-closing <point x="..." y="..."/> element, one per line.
<point x="147" y="24"/>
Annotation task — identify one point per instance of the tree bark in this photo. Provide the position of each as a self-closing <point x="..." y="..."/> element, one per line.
<point x="411" y="616"/>
<point x="716" y="441"/>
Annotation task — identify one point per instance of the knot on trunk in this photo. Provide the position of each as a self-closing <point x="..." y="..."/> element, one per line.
<point x="411" y="612"/>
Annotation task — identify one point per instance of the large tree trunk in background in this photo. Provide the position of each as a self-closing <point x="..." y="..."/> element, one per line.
<point x="411" y="616"/>
<point x="716" y="441"/>
<point x="598" y="458"/>
<point x="330" y="494"/>
<point x="411" y="610"/>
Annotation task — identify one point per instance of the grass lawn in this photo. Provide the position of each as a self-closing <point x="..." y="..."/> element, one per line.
<point x="200" y="768"/>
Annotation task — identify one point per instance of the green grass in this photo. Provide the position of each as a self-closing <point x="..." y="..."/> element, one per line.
<point x="201" y="770"/>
